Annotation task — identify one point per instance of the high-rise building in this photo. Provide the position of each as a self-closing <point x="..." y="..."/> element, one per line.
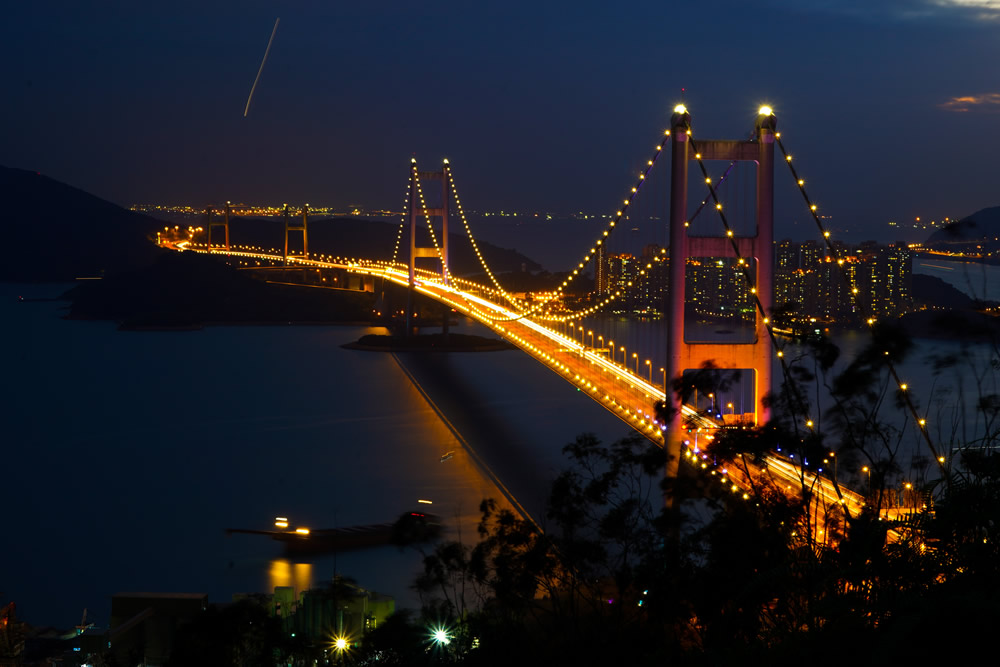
<point x="651" y="281"/>
<point x="822" y="285"/>
<point x="622" y="271"/>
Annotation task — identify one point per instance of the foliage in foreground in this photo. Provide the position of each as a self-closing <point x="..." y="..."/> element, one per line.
<point x="616" y="579"/>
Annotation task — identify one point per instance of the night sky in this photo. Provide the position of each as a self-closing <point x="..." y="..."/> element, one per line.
<point x="891" y="107"/>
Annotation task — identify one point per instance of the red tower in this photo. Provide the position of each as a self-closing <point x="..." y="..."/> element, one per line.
<point x="681" y="354"/>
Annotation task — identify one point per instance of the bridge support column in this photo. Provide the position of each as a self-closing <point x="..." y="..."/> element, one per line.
<point x="416" y="209"/>
<point x="297" y="227"/>
<point x="680" y="123"/>
<point x="681" y="354"/>
<point x="210" y="225"/>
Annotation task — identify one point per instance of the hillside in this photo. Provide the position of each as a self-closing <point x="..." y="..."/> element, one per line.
<point x="59" y="232"/>
<point x="980" y="228"/>
<point x="371" y="239"/>
<point x="190" y="289"/>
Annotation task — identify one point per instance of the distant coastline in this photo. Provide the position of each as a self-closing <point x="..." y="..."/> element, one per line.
<point x="436" y="342"/>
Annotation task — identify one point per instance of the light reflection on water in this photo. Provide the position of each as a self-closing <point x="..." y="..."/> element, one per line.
<point x="131" y="453"/>
<point x="286" y="573"/>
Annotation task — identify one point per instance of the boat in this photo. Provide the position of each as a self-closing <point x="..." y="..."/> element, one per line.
<point x="408" y="528"/>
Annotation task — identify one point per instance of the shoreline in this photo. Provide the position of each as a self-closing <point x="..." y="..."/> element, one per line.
<point x="436" y="342"/>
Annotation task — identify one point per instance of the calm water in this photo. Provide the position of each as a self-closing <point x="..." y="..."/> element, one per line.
<point x="128" y="454"/>
<point x="981" y="281"/>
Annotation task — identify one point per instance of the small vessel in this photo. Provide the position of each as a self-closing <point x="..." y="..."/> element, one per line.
<point x="447" y="455"/>
<point x="409" y="528"/>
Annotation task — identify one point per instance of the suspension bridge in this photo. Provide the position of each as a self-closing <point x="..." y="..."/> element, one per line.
<point x="544" y="327"/>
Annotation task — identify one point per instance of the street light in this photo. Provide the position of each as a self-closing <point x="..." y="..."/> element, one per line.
<point x="869" y="471"/>
<point x="635" y="355"/>
<point x="340" y="645"/>
<point x="649" y="367"/>
<point x="440" y="636"/>
<point x="664" y="371"/>
<point x="591" y="334"/>
<point x="624" y="358"/>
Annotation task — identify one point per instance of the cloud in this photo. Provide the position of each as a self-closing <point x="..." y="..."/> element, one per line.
<point x="987" y="102"/>
<point x="905" y="10"/>
<point x="983" y="10"/>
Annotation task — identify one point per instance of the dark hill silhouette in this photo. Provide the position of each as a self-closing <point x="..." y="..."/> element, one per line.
<point x="933" y="292"/>
<point x="372" y="239"/>
<point x="58" y="232"/>
<point x="981" y="225"/>
<point x="186" y="289"/>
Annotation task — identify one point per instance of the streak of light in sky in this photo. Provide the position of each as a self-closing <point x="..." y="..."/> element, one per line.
<point x="261" y="69"/>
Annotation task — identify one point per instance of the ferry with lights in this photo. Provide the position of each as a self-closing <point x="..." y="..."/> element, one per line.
<point x="409" y="528"/>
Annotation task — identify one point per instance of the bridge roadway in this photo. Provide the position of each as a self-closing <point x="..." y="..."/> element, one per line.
<point x="612" y="385"/>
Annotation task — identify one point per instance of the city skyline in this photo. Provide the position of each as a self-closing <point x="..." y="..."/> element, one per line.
<point x="544" y="108"/>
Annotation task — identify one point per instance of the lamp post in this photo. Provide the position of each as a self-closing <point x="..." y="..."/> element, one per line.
<point x="635" y="356"/>
<point x="340" y="646"/>
<point x="591" y="334"/>
<point x="869" y="471"/>
<point x="649" y="367"/>
<point x="664" y="371"/>
<point x="624" y="358"/>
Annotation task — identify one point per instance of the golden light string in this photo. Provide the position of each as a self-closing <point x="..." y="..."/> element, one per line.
<point x="745" y="269"/>
<point x="402" y="220"/>
<point x="600" y="241"/>
<point x="475" y="247"/>
<point x="445" y="269"/>
<point x="903" y="387"/>
<point x="619" y="215"/>
<point x="636" y="418"/>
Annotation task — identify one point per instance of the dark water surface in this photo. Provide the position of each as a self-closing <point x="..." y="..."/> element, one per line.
<point x="128" y="454"/>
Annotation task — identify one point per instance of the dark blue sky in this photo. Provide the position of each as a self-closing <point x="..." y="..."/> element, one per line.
<point x="538" y="105"/>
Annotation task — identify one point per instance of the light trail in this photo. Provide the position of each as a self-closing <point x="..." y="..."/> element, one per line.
<point x="617" y="389"/>
<point x="261" y="68"/>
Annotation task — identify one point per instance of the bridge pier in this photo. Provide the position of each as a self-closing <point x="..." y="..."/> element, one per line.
<point x="296" y="227"/>
<point x="681" y="354"/>
<point x="210" y="225"/>
<point x="417" y="208"/>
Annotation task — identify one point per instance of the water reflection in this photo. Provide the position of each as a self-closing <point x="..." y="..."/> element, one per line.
<point x="295" y="575"/>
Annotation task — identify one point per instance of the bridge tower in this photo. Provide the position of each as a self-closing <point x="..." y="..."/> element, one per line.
<point x="291" y="226"/>
<point x="224" y="223"/>
<point x="416" y="209"/>
<point x="682" y="355"/>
